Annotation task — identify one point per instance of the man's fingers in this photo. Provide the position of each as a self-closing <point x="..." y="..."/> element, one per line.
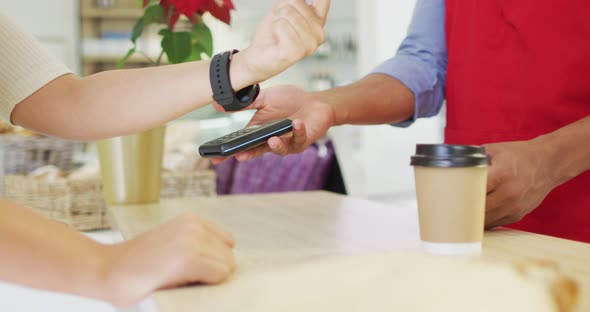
<point x="244" y="156"/>
<point x="500" y="206"/>
<point x="217" y="161"/>
<point x="498" y="221"/>
<point x="253" y="153"/>
<point x="494" y="172"/>
<point x="493" y="222"/>
<point x="299" y="135"/>
<point x="493" y="215"/>
<point x="494" y="178"/>
<point x="494" y="200"/>
<point x="279" y="146"/>
<point x="290" y="143"/>
<point x="321" y="7"/>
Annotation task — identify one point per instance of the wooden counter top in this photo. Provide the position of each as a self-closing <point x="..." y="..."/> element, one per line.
<point x="277" y="229"/>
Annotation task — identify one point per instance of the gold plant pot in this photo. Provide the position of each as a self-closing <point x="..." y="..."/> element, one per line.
<point x="131" y="167"/>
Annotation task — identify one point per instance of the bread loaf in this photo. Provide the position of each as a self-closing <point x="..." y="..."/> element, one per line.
<point x="399" y="282"/>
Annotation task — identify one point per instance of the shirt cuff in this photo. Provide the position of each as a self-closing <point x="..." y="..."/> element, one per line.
<point x="421" y="79"/>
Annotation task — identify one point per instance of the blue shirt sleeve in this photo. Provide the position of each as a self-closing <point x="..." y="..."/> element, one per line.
<point x="421" y="60"/>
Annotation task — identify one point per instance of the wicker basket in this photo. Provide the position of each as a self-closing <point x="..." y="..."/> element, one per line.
<point x="80" y="204"/>
<point x="23" y="154"/>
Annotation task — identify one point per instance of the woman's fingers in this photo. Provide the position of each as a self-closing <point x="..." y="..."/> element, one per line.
<point x="313" y="21"/>
<point x="322" y="7"/>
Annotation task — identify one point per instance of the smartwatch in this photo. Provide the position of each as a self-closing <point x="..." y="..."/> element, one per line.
<point x="223" y="93"/>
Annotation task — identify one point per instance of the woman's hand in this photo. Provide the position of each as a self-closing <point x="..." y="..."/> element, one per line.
<point x="185" y="250"/>
<point x="291" y="31"/>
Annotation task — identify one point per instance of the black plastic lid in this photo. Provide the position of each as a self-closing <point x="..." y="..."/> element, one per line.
<point x="447" y="156"/>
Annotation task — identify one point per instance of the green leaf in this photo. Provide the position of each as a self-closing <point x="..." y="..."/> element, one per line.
<point x="122" y="61"/>
<point x="195" y="54"/>
<point x="154" y="14"/>
<point x="176" y="45"/>
<point x="163" y="32"/>
<point x="137" y="30"/>
<point x="202" y="38"/>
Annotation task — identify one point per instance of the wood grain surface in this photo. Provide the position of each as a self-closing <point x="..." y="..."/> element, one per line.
<point x="275" y="230"/>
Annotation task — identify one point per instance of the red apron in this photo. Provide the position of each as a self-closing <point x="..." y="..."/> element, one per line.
<point x="518" y="69"/>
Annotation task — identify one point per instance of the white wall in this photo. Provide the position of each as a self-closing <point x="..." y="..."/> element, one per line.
<point x="55" y="23"/>
<point x="383" y="25"/>
<point x="376" y="158"/>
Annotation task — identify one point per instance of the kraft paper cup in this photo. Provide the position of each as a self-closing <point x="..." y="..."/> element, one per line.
<point x="451" y="192"/>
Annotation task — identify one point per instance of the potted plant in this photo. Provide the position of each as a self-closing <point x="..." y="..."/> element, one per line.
<point x="180" y="45"/>
<point x="131" y="165"/>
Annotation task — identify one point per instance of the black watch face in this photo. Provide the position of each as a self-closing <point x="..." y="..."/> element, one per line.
<point x="245" y="95"/>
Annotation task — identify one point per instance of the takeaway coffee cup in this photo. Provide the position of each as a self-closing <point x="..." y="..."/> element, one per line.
<point x="451" y="192"/>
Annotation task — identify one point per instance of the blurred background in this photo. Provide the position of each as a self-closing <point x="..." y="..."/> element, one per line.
<point x="92" y="35"/>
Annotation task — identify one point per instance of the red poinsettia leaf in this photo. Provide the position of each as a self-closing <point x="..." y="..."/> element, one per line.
<point x="223" y="3"/>
<point x="229" y="4"/>
<point x="188" y="7"/>
<point x="220" y="12"/>
<point x="165" y="4"/>
<point x="145" y="3"/>
<point x="192" y="8"/>
<point x="170" y="12"/>
<point x="173" y="19"/>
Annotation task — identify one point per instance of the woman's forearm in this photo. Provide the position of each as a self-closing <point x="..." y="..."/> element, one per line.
<point x="43" y="254"/>
<point x="121" y="102"/>
<point x="39" y="253"/>
<point x="128" y="101"/>
<point x="375" y="99"/>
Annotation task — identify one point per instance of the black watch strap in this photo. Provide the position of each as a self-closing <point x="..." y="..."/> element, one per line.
<point x="223" y="93"/>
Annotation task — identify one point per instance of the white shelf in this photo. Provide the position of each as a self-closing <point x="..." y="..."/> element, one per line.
<point x="111" y="13"/>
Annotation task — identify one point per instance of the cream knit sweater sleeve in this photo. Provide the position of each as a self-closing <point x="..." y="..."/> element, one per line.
<point x="25" y="66"/>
